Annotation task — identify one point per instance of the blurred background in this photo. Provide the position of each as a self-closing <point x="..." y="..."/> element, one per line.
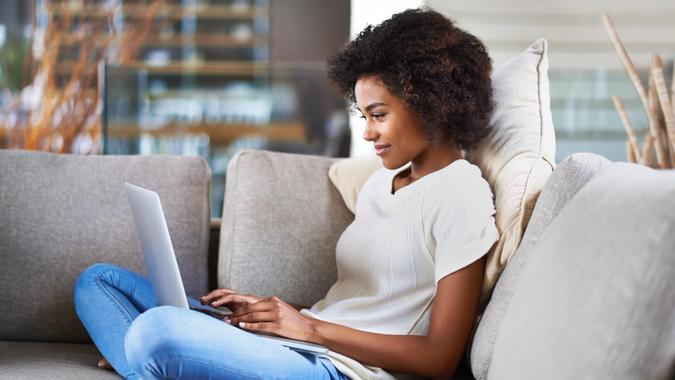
<point x="213" y="77"/>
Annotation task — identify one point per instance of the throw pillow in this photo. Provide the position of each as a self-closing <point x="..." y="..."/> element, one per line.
<point x="518" y="155"/>
<point x="350" y="174"/>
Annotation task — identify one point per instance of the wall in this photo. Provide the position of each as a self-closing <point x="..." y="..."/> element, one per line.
<point x="573" y="28"/>
<point x="306" y="30"/>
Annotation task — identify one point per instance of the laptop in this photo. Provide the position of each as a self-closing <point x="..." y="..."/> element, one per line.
<point x="163" y="268"/>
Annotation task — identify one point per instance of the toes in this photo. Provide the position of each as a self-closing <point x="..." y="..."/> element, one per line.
<point x="104" y="364"/>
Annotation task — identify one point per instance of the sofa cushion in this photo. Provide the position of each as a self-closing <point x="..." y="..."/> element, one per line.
<point x="349" y="175"/>
<point x="57" y="361"/>
<point x="518" y="155"/>
<point x="62" y="213"/>
<point x="597" y="298"/>
<point x="281" y="221"/>
<point x="570" y="176"/>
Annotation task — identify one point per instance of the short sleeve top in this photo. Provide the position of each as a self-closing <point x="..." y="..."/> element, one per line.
<point x="399" y="246"/>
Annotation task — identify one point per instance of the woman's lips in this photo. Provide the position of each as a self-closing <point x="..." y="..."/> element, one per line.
<point x="381" y="149"/>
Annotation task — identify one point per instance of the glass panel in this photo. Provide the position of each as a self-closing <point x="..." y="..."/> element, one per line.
<point x="584" y="116"/>
<point x="285" y="109"/>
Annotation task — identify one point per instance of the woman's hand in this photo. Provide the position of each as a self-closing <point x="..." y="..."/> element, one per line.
<point x="228" y="298"/>
<point x="272" y="315"/>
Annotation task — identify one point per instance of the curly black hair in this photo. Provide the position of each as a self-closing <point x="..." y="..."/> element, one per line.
<point x="437" y="69"/>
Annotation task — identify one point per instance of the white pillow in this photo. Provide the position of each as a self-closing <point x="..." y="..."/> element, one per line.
<point x="516" y="158"/>
<point x="350" y="174"/>
<point x="518" y="155"/>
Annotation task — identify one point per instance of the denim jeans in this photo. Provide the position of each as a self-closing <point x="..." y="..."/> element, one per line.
<point x="117" y="307"/>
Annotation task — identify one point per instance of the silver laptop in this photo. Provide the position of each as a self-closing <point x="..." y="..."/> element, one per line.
<point x="162" y="265"/>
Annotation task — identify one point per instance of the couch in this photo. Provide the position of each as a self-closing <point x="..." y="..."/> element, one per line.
<point x="589" y="294"/>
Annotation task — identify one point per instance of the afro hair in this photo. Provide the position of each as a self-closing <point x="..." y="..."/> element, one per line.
<point x="437" y="69"/>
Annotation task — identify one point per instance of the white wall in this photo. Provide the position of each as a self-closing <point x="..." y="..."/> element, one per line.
<point x="573" y="28"/>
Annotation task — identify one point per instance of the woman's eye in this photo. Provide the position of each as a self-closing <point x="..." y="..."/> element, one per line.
<point x="378" y="116"/>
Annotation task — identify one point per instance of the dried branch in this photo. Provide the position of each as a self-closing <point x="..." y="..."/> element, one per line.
<point x="672" y="91"/>
<point x="630" y="131"/>
<point x="666" y="107"/>
<point x="658" y="104"/>
<point x="72" y="110"/>
<point x="630" y="153"/>
<point x="134" y="39"/>
<point x="648" y="151"/>
<point x="625" y="59"/>
<point x="655" y="125"/>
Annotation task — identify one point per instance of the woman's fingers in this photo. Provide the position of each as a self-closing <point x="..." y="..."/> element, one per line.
<point x="234" y="298"/>
<point x="258" y="316"/>
<point x="216" y="293"/>
<point x="226" y="299"/>
<point x="268" y="304"/>
<point x="261" y="311"/>
<point x="272" y="328"/>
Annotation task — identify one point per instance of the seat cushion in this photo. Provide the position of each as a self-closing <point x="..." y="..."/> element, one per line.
<point x="569" y="177"/>
<point x="61" y="213"/>
<point x="66" y="361"/>
<point x="281" y="222"/>
<point x="597" y="299"/>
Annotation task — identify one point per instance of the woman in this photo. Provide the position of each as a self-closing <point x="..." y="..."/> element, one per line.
<point x="410" y="266"/>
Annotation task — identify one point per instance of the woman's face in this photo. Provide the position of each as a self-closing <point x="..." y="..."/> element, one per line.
<point x="395" y="130"/>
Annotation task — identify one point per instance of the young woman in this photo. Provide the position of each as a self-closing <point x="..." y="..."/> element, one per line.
<point x="410" y="266"/>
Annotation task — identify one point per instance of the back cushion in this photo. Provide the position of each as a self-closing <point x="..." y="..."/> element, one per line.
<point x="568" y="178"/>
<point x="518" y="155"/>
<point x="597" y="299"/>
<point x="61" y="213"/>
<point x="281" y="221"/>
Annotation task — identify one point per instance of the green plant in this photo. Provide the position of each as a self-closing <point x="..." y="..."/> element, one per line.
<point x="15" y="64"/>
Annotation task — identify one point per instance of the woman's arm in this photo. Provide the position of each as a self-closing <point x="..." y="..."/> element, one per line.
<point x="435" y="355"/>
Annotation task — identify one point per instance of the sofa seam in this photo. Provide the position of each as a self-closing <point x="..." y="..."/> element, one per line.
<point x="540" y="155"/>
<point x="541" y="113"/>
<point x="234" y="217"/>
<point x="206" y="222"/>
<point x="539" y="97"/>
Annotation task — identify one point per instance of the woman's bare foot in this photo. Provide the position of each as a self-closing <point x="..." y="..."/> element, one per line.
<point x="105" y="365"/>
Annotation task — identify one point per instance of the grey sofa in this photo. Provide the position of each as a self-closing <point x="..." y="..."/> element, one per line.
<point x="589" y="294"/>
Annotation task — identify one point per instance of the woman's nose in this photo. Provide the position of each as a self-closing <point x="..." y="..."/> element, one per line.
<point x="369" y="134"/>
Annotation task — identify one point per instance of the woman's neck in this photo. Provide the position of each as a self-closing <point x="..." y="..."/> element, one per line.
<point x="434" y="158"/>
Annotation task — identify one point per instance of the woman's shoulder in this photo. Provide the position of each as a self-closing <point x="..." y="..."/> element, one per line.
<point x="460" y="177"/>
<point x="463" y="184"/>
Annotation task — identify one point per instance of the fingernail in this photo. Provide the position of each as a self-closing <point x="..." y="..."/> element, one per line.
<point x="242" y="324"/>
<point x="226" y="320"/>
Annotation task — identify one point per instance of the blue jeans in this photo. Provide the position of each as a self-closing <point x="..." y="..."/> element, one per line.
<point x="117" y="307"/>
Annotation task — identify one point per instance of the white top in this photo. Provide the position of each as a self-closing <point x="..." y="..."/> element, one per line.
<point x="390" y="258"/>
